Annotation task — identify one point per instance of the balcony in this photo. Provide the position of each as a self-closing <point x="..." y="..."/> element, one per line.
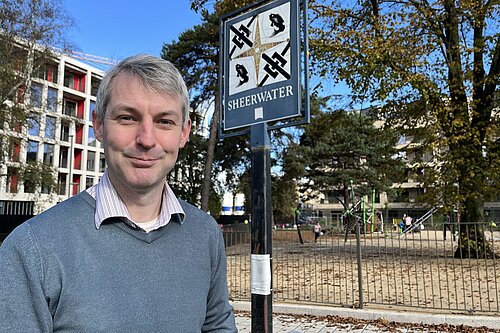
<point x="74" y="80"/>
<point x="73" y="108"/>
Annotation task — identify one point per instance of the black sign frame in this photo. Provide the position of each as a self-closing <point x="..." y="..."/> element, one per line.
<point x="280" y="67"/>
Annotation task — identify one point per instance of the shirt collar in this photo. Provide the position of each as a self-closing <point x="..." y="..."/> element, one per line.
<point x="110" y="205"/>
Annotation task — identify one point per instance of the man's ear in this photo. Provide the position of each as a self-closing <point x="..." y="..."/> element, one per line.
<point x="97" y="126"/>
<point x="185" y="133"/>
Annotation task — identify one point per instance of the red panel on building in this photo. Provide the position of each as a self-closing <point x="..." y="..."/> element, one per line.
<point x="77" y="164"/>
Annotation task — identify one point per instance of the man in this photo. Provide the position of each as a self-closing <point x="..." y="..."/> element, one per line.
<point x="125" y="255"/>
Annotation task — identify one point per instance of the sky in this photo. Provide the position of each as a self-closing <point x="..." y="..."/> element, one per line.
<point x="117" y="29"/>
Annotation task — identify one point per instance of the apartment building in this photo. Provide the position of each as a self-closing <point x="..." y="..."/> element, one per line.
<point x="59" y="134"/>
<point x="388" y="208"/>
<point x="391" y="209"/>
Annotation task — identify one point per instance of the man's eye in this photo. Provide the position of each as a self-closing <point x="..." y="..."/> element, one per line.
<point x="166" y="122"/>
<point x="126" y="119"/>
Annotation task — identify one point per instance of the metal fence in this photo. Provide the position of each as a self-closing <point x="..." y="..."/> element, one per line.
<point x="417" y="269"/>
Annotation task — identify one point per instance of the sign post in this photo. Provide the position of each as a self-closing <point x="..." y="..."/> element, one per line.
<point x="261" y="251"/>
<point x="260" y="81"/>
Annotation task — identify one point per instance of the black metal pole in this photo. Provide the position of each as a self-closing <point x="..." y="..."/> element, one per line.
<point x="360" y="266"/>
<point x="262" y="321"/>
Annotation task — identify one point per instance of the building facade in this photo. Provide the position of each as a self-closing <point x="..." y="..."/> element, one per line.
<point x="386" y="209"/>
<point x="59" y="103"/>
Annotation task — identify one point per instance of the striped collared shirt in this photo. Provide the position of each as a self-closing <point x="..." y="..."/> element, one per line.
<point x="109" y="204"/>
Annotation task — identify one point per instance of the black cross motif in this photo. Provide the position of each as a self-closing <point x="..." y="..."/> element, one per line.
<point x="241" y="38"/>
<point x="275" y="65"/>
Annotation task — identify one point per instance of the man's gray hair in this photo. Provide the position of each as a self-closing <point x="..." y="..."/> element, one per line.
<point x="156" y="74"/>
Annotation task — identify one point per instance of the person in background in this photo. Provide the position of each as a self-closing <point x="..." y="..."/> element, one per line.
<point x="317" y="231"/>
<point x="402" y="224"/>
<point x="408" y="222"/>
<point x="125" y="255"/>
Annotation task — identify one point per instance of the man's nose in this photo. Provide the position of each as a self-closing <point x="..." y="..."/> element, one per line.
<point x="146" y="134"/>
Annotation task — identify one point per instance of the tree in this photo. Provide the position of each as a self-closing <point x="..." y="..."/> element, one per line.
<point x="434" y="68"/>
<point x="29" y="32"/>
<point x="196" y="54"/>
<point x="285" y="198"/>
<point x="185" y="176"/>
<point x="342" y="148"/>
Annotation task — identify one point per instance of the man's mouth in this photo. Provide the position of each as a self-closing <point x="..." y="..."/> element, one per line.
<point x="143" y="162"/>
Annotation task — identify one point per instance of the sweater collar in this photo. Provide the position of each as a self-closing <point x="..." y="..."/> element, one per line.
<point x="109" y="205"/>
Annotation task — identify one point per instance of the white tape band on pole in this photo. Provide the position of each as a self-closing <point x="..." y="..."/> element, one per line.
<point x="260" y="274"/>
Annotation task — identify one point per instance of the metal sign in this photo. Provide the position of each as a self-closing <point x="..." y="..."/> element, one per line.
<point x="261" y="63"/>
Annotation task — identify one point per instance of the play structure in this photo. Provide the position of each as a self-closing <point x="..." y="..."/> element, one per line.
<point x="418" y="223"/>
<point x="363" y="213"/>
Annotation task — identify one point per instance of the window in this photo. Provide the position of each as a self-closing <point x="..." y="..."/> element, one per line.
<point x="402" y="196"/>
<point x="89" y="182"/>
<point x="12" y="179"/>
<point x="50" y="127"/>
<point x="48" y="153"/>
<point x="94" y="85"/>
<point x="69" y="108"/>
<point x="48" y="73"/>
<point x="91" y="109"/>
<point x="34" y="124"/>
<point x="36" y="95"/>
<point x="64" y="131"/>
<point x="102" y="163"/>
<point x="63" y="157"/>
<point x="52" y="100"/>
<point x="62" y="183"/>
<point x="92" y="140"/>
<point x="69" y="80"/>
<point x="91" y="161"/>
<point x="46" y="189"/>
<point x="52" y="74"/>
<point x="415" y="193"/>
<point x="32" y="150"/>
<point x="74" y="81"/>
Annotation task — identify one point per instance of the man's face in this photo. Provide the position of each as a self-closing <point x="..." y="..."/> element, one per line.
<point x="142" y="133"/>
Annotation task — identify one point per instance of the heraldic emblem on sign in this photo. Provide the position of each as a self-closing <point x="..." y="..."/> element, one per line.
<point x="260" y="64"/>
<point x="259" y="50"/>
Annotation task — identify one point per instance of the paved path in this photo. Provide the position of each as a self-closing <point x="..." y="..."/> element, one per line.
<point x="289" y="324"/>
<point x="297" y="318"/>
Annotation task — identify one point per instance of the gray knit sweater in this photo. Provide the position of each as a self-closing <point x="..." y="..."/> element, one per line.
<point x="58" y="273"/>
